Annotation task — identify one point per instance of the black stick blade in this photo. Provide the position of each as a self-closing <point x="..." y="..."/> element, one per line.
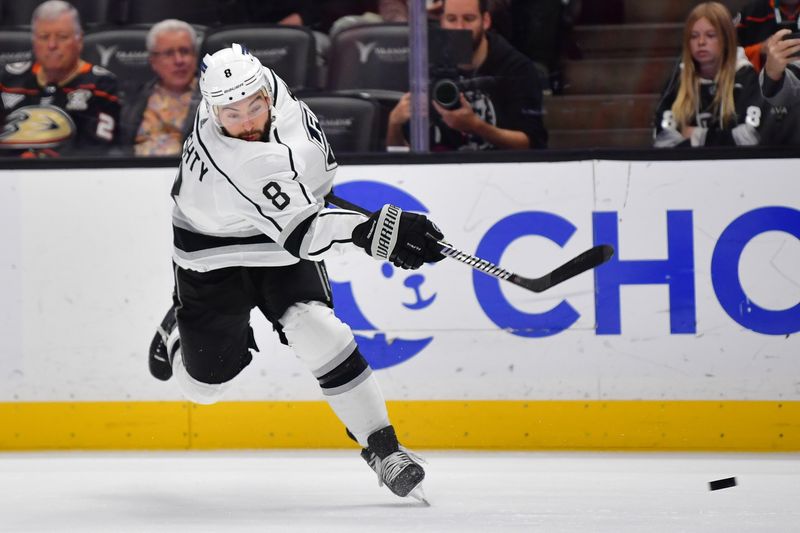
<point x="588" y="260"/>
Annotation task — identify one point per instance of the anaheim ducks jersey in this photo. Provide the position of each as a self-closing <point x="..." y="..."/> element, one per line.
<point x="254" y="203"/>
<point x="89" y="97"/>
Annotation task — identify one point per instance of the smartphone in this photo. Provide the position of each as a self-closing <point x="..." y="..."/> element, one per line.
<point x="795" y="35"/>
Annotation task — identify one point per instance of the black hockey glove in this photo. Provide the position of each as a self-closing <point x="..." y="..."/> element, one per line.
<point x="405" y="239"/>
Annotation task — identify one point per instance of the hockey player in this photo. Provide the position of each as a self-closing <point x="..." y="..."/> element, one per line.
<point x="59" y="77"/>
<point x="251" y="230"/>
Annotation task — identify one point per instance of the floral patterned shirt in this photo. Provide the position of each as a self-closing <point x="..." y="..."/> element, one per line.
<point x="161" y="130"/>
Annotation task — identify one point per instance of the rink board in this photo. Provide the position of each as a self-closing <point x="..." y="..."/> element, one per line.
<point x="475" y="424"/>
<point x="685" y="341"/>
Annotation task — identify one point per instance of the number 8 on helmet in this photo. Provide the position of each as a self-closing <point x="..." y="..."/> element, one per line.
<point x="230" y="75"/>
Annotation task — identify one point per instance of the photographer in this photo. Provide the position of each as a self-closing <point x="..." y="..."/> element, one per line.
<point x="504" y="114"/>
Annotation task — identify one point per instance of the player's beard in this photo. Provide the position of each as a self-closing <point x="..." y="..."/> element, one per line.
<point x="254" y="135"/>
<point x="257" y="135"/>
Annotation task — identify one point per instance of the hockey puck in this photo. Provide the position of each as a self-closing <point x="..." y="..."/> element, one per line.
<point x="726" y="483"/>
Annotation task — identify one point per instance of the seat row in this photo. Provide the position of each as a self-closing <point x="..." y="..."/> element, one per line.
<point x="369" y="57"/>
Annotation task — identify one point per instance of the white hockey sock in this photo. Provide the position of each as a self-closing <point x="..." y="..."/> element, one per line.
<point x="193" y="390"/>
<point x="361" y="408"/>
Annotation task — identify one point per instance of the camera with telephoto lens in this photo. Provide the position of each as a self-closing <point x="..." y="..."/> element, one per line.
<point x="449" y="56"/>
<point x="446" y="91"/>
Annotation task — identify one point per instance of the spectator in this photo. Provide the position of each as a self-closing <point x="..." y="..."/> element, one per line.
<point x="714" y="98"/>
<point x="338" y="15"/>
<point x="760" y="19"/>
<point x="59" y="77"/>
<point x="343" y="14"/>
<point x="504" y="113"/>
<point x="394" y="10"/>
<point x="397" y="11"/>
<point x="158" y="117"/>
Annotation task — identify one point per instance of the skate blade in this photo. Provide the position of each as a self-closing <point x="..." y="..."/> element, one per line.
<point x="419" y="495"/>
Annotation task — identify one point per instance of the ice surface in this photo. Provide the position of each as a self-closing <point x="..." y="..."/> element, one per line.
<point x="334" y="491"/>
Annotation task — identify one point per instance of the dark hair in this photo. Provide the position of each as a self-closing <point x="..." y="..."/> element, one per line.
<point x="483" y="5"/>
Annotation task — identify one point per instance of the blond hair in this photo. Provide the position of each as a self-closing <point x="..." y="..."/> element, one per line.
<point x="687" y="101"/>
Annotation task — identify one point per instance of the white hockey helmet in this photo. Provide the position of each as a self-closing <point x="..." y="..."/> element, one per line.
<point x="230" y="75"/>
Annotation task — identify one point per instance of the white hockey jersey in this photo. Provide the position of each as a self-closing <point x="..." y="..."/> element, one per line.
<point x="252" y="203"/>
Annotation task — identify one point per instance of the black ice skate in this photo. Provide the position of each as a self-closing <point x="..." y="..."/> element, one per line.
<point x="396" y="467"/>
<point x="163" y="347"/>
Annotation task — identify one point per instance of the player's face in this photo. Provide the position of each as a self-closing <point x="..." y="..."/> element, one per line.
<point x="56" y="44"/>
<point x="174" y="60"/>
<point x="704" y="43"/>
<point x="246" y="119"/>
<point x="466" y="15"/>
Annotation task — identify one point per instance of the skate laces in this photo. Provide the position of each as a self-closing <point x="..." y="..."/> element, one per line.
<point x="390" y="467"/>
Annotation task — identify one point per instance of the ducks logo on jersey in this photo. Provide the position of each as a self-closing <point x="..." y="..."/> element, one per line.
<point x="36" y="126"/>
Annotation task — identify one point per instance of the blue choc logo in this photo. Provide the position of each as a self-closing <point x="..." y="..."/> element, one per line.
<point x="377" y="349"/>
<point x="677" y="271"/>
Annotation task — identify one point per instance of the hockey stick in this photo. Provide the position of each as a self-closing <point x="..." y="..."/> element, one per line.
<point x="588" y="260"/>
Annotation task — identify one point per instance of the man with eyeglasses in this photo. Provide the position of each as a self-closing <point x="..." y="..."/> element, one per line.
<point x="157" y="118"/>
<point x="59" y="77"/>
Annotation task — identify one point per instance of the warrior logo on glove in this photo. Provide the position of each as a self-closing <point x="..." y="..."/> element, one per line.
<point x="387" y="222"/>
<point x="405" y="239"/>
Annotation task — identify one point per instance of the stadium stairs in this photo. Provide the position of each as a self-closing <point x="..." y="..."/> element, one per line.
<point x="618" y="59"/>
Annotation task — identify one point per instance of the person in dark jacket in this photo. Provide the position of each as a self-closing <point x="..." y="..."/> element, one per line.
<point x="158" y="117"/>
<point x="713" y="99"/>
<point x="503" y="107"/>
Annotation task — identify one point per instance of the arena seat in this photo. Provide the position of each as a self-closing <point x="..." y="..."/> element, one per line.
<point x="122" y="51"/>
<point x="289" y="50"/>
<point x="373" y="56"/>
<point x="351" y="123"/>
<point x="15" y="45"/>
